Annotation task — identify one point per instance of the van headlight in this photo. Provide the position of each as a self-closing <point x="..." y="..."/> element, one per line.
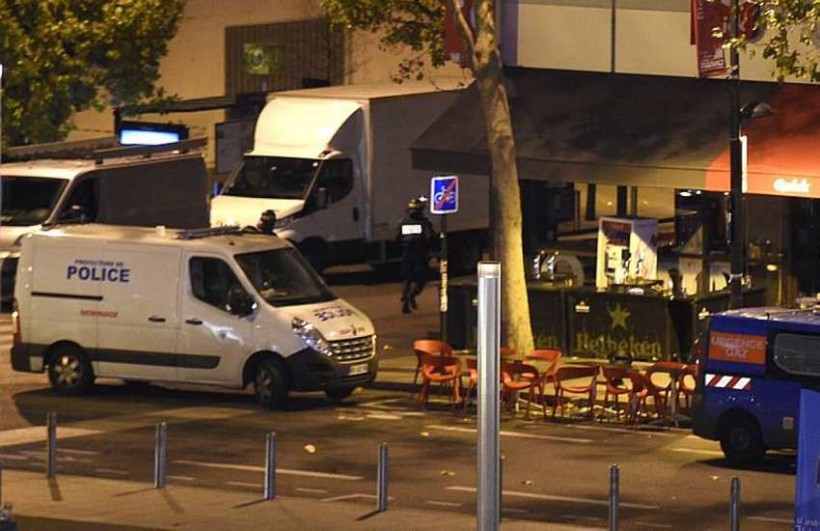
<point x="310" y="336"/>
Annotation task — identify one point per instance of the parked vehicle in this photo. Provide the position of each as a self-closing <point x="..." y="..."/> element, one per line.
<point x="334" y="164"/>
<point x="208" y="306"/>
<point x="146" y="186"/>
<point x="753" y="363"/>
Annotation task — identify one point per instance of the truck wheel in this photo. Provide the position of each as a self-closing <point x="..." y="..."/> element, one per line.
<point x="70" y="371"/>
<point x="338" y="395"/>
<point x="742" y="442"/>
<point x="270" y="385"/>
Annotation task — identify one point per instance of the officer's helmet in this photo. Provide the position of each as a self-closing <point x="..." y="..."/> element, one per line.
<point x="417" y="205"/>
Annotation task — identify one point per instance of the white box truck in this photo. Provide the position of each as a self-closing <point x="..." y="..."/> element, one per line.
<point x="143" y="185"/>
<point x="334" y="164"/>
<point x="212" y="306"/>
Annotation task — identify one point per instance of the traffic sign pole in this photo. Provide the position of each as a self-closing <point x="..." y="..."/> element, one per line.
<point x="444" y="200"/>
<point x="442" y="269"/>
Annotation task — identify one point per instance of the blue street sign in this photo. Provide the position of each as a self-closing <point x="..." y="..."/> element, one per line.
<point x="444" y="195"/>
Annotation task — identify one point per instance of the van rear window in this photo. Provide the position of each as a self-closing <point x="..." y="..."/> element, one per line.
<point x="797" y="354"/>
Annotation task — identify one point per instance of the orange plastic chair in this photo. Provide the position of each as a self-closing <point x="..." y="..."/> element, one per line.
<point x="441" y="370"/>
<point x="642" y="389"/>
<point x="686" y="387"/>
<point x="517" y="377"/>
<point x="588" y="376"/>
<point x="472" y="380"/>
<point x="615" y="386"/>
<point x="507" y="352"/>
<point x="432" y="347"/>
<point x="550" y="356"/>
<point x="661" y="375"/>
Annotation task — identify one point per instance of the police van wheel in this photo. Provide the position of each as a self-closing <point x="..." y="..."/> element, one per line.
<point x="742" y="443"/>
<point x="270" y="385"/>
<point x="339" y="394"/>
<point x="69" y="371"/>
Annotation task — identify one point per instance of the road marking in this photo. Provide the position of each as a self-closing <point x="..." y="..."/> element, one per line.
<point x="254" y="468"/>
<point x="76" y="452"/>
<point x="771" y="519"/>
<point x="382" y="416"/>
<point x="697" y="451"/>
<point x="245" y="484"/>
<point x="350" y="497"/>
<point x="514" y="511"/>
<point x="505" y="433"/>
<point x="35" y="434"/>
<point x="198" y="413"/>
<point x="312" y="491"/>
<point x="548" y="497"/>
<point x="442" y="504"/>
<point x="655" y="526"/>
<point x="182" y="478"/>
<point x="624" y="430"/>
<point x="12" y="457"/>
<point x="112" y="471"/>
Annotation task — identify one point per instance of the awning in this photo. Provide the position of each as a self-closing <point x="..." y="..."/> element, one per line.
<point x="638" y="130"/>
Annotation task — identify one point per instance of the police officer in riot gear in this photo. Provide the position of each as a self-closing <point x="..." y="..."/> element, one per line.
<point x="417" y="238"/>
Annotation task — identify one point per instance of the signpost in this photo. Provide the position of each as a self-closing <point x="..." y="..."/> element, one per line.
<point x="443" y="201"/>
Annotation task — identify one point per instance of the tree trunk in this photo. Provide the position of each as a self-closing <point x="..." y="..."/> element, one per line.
<point x="505" y="198"/>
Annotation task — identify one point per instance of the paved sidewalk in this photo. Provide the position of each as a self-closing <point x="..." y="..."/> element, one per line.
<point x="73" y="502"/>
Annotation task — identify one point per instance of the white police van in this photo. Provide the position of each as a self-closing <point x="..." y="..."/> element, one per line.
<point x="210" y="306"/>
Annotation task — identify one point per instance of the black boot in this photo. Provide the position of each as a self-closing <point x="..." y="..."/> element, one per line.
<point x="405" y="307"/>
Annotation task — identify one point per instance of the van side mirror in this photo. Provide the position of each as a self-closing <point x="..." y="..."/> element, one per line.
<point x="240" y="303"/>
<point x="73" y="214"/>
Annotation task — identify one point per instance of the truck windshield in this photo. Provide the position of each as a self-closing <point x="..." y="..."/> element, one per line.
<point x="28" y="200"/>
<point x="273" y="178"/>
<point x="283" y="278"/>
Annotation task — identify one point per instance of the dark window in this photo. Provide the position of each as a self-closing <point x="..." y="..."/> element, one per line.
<point x="273" y="177"/>
<point x="337" y="178"/>
<point x="29" y="200"/>
<point x="211" y="279"/>
<point x="86" y="197"/>
<point x="798" y="355"/>
<point x="283" y="278"/>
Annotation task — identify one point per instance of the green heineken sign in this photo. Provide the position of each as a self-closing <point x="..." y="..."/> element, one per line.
<point x="261" y="58"/>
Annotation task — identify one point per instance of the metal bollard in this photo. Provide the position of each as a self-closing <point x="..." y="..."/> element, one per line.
<point x="270" y="467"/>
<point x="1" y="485"/>
<point x="51" y="451"/>
<point x="381" y="480"/>
<point x="159" y="456"/>
<point x="734" y="507"/>
<point x="614" y="495"/>
<point x="500" y="485"/>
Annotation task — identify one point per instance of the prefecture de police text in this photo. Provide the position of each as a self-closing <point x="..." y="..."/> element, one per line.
<point x="99" y="272"/>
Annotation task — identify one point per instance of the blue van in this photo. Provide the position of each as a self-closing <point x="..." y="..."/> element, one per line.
<point x="752" y="364"/>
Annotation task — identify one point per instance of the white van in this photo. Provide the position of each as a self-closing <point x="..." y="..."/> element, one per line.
<point x="136" y="185"/>
<point x="206" y="306"/>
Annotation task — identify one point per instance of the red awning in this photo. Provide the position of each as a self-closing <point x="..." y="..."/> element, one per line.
<point x="783" y="150"/>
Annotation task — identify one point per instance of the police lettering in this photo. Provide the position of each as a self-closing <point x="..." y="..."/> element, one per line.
<point x="99" y="273"/>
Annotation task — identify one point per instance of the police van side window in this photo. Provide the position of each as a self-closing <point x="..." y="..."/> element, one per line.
<point x="797" y="354"/>
<point x="211" y="279"/>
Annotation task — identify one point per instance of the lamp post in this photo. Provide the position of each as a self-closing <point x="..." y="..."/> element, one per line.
<point x="738" y="243"/>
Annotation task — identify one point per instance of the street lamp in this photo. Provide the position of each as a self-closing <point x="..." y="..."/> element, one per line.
<point x="738" y="242"/>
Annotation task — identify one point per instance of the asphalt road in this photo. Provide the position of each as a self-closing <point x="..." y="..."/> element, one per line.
<point x="553" y="472"/>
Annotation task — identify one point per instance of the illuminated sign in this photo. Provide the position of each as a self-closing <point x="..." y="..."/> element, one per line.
<point x="792" y="186"/>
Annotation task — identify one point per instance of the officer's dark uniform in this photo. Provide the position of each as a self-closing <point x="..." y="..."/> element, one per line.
<point x="417" y="238"/>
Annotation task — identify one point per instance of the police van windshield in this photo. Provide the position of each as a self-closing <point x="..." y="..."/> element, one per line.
<point x="28" y="200"/>
<point x="273" y="178"/>
<point x="283" y="278"/>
